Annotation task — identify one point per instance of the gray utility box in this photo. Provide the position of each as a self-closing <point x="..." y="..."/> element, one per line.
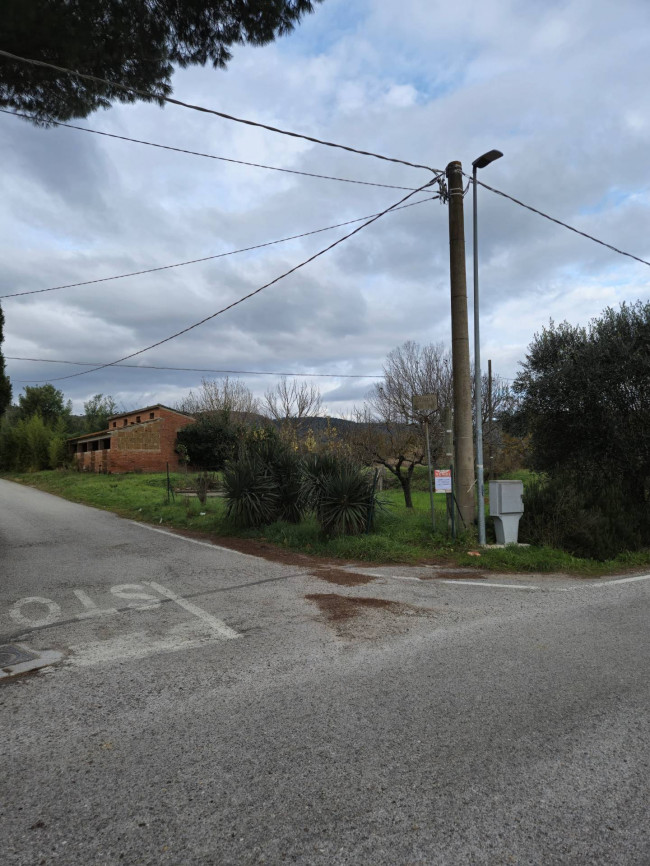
<point x="506" y="507"/>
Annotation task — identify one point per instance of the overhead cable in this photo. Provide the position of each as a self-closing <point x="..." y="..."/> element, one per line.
<point x="200" y="369"/>
<point x="207" y="155"/>
<point x="250" y="294"/>
<point x="151" y="96"/>
<point x="206" y="258"/>
<point x="563" y="224"/>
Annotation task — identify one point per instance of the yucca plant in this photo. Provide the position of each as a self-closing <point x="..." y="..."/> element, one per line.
<point x="288" y="477"/>
<point x="284" y="466"/>
<point x="315" y="469"/>
<point x="251" y="492"/>
<point x="346" y="501"/>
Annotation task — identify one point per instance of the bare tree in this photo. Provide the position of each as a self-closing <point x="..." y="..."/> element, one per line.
<point x="397" y="445"/>
<point x="413" y="369"/>
<point x="221" y="395"/>
<point x="387" y="433"/>
<point x="291" y="404"/>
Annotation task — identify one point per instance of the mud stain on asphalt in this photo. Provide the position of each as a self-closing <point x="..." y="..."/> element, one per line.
<point x="341" y="577"/>
<point x="355" y="618"/>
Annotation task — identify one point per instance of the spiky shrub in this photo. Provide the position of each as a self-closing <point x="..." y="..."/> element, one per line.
<point x="251" y="492"/>
<point x="346" y="500"/>
<point x="264" y="484"/>
<point x="284" y="467"/>
<point x="316" y="468"/>
<point x="288" y="477"/>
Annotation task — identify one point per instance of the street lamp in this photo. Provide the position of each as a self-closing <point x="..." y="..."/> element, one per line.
<point x="481" y="162"/>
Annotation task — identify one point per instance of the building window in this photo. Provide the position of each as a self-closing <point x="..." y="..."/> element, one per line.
<point x="106" y="444"/>
<point x="152" y="414"/>
<point x="137" y="418"/>
<point x="114" y="423"/>
<point x="125" y="422"/>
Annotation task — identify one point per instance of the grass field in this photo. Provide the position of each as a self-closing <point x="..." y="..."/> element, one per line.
<point x="399" y="535"/>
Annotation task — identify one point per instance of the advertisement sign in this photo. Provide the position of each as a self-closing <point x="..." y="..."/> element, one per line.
<point x="443" y="480"/>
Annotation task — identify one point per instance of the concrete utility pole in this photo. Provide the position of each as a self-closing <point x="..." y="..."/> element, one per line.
<point x="490" y="454"/>
<point x="464" y="450"/>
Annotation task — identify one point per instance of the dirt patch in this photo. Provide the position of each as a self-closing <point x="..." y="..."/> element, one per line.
<point x="257" y="547"/>
<point x="340" y="577"/>
<point x="356" y="618"/>
<point x="340" y="607"/>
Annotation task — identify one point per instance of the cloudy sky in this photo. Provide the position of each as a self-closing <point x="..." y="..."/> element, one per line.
<point x="559" y="87"/>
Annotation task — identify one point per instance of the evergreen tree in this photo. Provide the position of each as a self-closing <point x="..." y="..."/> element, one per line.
<point x="135" y="43"/>
<point x="585" y="402"/>
<point x="97" y="411"/>
<point x="46" y="401"/>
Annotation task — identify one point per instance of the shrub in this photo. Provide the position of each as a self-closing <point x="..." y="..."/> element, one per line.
<point x="346" y="501"/>
<point x="340" y="494"/>
<point x="586" y="516"/>
<point x="209" y="442"/>
<point x="201" y="484"/>
<point x="37" y="438"/>
<point x="270" y="482"/>
<point x="251" y="492"/>
<point x="57" y="452"/>
<point x="285" y="468"/>
<point x="316" y="468"/>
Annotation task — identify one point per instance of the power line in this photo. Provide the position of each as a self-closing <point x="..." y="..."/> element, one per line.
<point x="150" y="96"/>
<point x="207" y="155"/>
<point x="250" y="294"/>
<point x="200" y="369"/>
<point x="206" y="258"/>
<point x="560" y="223"/>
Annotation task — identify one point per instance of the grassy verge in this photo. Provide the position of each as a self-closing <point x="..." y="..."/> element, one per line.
<point x="399" y="535"/>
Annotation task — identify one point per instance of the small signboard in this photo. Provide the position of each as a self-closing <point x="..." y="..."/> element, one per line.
<point x="424" y="404"/>
<point x="443" y="480"/>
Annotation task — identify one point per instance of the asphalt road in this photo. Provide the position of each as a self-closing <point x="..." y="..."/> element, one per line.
<point x="214" y="708"/>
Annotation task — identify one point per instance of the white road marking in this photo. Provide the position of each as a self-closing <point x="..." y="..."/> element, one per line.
<point x="622" y="580"/>
<point x="133" y="591"/>
<point x="485" y="583"/>
<point x="191" y="540"/>
<point x="394" y="577"/>
<point x="137" y="645"/>
<point x="18" y="616"/>
<point x="91" y="608"/>
<point x="218" y="625"/>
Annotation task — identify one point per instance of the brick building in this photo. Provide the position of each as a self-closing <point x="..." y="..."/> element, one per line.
<point x="139" y="441"/>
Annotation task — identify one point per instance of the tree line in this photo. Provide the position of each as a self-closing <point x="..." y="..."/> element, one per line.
<point x="382" y="432"/>
<point x="578" y="415"/>
<point x="34" y="431"/>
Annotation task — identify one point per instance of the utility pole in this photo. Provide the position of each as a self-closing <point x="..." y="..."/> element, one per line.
<point x="464" y="450"/>
<point x="490" y="454"/>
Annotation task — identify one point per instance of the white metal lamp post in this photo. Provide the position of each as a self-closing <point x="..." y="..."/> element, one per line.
<point x="481" y="162"/>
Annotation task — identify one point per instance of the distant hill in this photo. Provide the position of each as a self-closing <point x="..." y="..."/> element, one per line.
<point x="317" y="424"/>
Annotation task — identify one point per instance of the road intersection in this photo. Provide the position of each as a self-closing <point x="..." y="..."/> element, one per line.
<point x="206" y="706"/>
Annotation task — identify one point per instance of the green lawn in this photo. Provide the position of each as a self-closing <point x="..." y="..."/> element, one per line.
<point x="399" y="535"/>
